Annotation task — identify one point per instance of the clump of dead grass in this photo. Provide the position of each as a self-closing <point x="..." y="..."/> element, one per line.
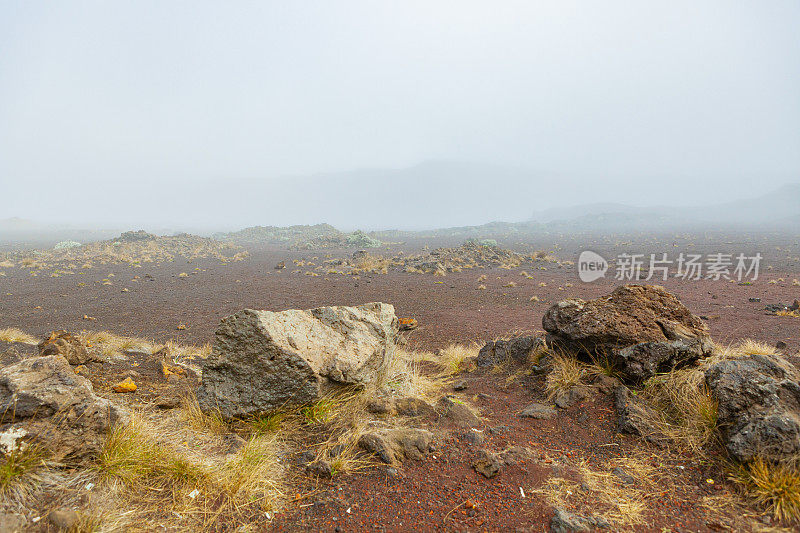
<point x="372" y="263"/>
<point x="687" y="411"/>
<point x="253" y="474"/>
<point x="210" y="423"/>
<point x="151" y="477"/>
<point x="602" y="494"/>
<point x="19" y="471"/>
<point x="115" y="345"/>
<point x="134" y="455"/>
<point x="566" y="372"/>
<point x="772" y="486"/>
<point x="17" y="335"/>
<point x="454" y="358"/>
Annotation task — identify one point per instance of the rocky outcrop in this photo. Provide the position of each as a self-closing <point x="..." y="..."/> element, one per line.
<point x="639" y="329"/>
<point x="516" y="349"/>
<point x="43" y="399"/>
<point x="67" y="345"/>
<point x="263" y="360"/>
<point x="759" y="406"/>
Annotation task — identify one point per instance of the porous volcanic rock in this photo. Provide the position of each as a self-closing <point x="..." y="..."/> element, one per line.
<point x="398" y="445"/>
<point x="43" y="399"/>
<point x="639" y="329"/>
<point x="759" y="406"/>
<point x="263" y="360"/>
<point x="65" y="344"/>
<point x="515" y="349"/>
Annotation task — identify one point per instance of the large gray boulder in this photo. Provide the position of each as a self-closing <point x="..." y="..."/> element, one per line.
<point x="43" y="399"/>
<point x="264" y="360"/>
<point x="759" y="406"/>
<point x="639" y="329"/>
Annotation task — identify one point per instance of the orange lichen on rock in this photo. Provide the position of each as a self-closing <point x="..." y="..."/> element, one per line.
<point x="126" y="385"/>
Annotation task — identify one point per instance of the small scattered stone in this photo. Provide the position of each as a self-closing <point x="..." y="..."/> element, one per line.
<point x="472" y="437"/>
<point x="126" y="385"/>
<point x="458" y="412"/>
<point x="623" y="476"/>
<point x="487" y="464"/>
<point x="460" y="385"/>
<point x="321" y="469"/>
<point x="12" y="523"/>
<point x="414" y="407"/>
<point x="379" y="407"/>
<point x="65" y="344"/>
<point x="538" y="411"/>
<point x="374" y="443"/>
<point x="565" y="522"/>
<point x="780" y="345"/>
<point x="606" y="384"/>
<point x="63" y="519"/>
<point x="568" y="398"/>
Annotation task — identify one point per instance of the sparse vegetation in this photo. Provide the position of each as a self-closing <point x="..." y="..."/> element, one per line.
<point x="567" y="372"/>
<point x="133" y="248"/>
<point x="18" y="470"/>
<point x="601" y="494"/>
<point x="687" y="411"/>
<point x="775" y="487"/>
<point x="17" y="335"/>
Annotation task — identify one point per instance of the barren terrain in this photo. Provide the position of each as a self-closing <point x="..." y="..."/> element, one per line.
<point x="183" y="300"/>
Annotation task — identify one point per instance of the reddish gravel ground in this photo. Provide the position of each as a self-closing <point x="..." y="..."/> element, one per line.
<point x="445" y="493"/>
<point x="448" y="309"/>
<point x="433" y="494"/>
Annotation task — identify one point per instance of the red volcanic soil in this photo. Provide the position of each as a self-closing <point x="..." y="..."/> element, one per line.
<point x="449" y="309"/>
<point x="443" y="492"/>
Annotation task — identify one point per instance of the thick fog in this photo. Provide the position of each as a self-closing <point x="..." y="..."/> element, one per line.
<point x="390" y="114"/>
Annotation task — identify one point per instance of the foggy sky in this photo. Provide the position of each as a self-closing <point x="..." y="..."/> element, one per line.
<point x="163" y="112"/>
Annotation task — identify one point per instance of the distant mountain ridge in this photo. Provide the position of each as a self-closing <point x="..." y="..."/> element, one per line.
<point x="775" y="209"/>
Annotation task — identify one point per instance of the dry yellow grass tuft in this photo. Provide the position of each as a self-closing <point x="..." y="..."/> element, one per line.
<point x="19" y="471"/>
<point x="17" y="335"/>
<point x="110" y="344"/>
<point x="687" y="412"/>
<point x="453" y="358"/>
<point x="566" y="372"/>
<point x="775" y="487"/>
<point x="147" y="474"/>
<point x="372" y="263"/>
<point x="603" y="494"/>
<point x="404" y="375"/>
<point x="747" y="347"/>
<point x="209" y="423"/>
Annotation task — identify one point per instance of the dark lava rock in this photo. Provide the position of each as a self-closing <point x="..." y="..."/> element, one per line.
<point x="538" y="411"/>
<point x="759" y="406"/>
<point x="514" y="349"/>
<point x="487" y="464"/>
<point x="639" y="329"/>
